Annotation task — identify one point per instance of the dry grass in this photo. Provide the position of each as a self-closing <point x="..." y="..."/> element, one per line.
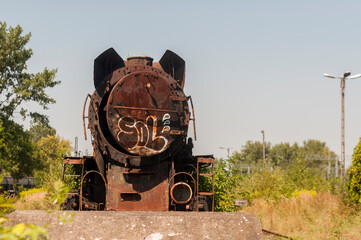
<point x="309" y="216"/>
<point x="34" y="201"/>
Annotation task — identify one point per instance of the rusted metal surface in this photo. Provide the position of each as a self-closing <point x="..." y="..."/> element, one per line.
<point x="70" y="160"/>
<point x="181" y="193"/>
<point x="137" y="191"/>
<point x="138" y="117"/>
<point x="123" y="124"/>
<point x="185" y="194"/>
<point x="145" y="109"/>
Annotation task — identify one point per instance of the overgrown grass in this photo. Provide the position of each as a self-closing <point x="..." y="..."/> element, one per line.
<point x="42" y="199"/>
<point x="33" y="199"/>
<point x="308" y="215"/>
<point x="295" y="200"/>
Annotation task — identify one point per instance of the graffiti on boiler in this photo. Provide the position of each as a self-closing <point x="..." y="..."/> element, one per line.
<point x="146" y="135"/>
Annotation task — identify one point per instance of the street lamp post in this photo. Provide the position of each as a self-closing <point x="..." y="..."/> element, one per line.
<point x="345" y="76"/>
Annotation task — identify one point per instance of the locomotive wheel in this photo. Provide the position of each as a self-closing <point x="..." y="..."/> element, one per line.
<point x="71" y="202"/>
<point x="204" y="204"/>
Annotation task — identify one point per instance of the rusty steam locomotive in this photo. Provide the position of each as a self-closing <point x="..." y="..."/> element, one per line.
<point x="138" y="116"/>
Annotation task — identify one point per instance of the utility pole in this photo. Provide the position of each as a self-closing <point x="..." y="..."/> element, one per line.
<point x="76" y="152"/>
<point x="264" y="150"/>
<point x="343" y="85"/>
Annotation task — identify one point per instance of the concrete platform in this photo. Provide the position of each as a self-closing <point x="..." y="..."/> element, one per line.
<point x="144" y="225"/>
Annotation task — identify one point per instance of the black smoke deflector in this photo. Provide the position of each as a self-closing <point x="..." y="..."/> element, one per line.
<point x="105" y="64"/>
<point x="174" y="65"/>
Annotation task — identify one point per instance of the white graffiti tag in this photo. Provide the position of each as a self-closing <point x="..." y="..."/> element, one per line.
<point x="166" y="123"/>
<point x="142" y="137"/>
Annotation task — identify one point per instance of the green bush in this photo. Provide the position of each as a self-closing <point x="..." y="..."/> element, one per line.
<point x="354" y="175"/>
<point x="6" y="202"/>
<point x="281" y="183"/>
<point x="224" y="184"/>
<point x="22" y="231"/>
<point x="6" y="205"/>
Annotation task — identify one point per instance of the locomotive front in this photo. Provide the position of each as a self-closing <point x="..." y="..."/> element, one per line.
<point x="138" y="117"/>
<point x="138" y="114"/>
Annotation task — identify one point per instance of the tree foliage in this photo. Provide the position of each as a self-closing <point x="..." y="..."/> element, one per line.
<point x="16" y="152"/>
<point x="51" y="150"/>
<point x="281" y="154"/>
<point x="16" y="84"/>
<point x="17" y="87"/>
<point x="39" y="130"/>
<point x="314" y="147"/>
<point x="354" y="174"/>
<point x="251" y="153"/>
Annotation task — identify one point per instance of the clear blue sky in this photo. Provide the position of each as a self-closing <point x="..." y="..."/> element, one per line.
<point x="251" y="65"/>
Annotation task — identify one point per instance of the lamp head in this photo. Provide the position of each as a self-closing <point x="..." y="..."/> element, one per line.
<point x="329" y="75"/>
<point x="346" y="74"/>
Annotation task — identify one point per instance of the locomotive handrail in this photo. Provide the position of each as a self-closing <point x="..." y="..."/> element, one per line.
<point x="193" y="118"/>
<point x="84" y="117"/>
<point x="146" y="109"/>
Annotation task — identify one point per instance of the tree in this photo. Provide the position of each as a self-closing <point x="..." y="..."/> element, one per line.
<point x="251" y="153"/>
<point x="16" y="85"/>
<point x="354" y="174"/>
<point x="283" y="153"/>
<point x="317" y="153"/>
<point x="16" y="152"/>
<point x="315" y="147"/>
<point x="51" y="150"/>
<point x="40" y="130"/>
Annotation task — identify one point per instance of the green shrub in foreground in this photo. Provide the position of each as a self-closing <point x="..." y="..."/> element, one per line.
<point x="22" y="231"/>
<point x="354" y="175"/>
<point x="54" y="197"/>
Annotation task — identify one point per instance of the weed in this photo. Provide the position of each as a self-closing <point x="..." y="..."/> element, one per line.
<point x="309" y="216"/>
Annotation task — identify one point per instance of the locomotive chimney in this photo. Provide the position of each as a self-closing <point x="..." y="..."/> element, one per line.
<point x="140" y="61"/>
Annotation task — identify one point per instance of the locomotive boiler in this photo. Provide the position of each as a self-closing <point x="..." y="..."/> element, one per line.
<point x="138" y="117"/>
